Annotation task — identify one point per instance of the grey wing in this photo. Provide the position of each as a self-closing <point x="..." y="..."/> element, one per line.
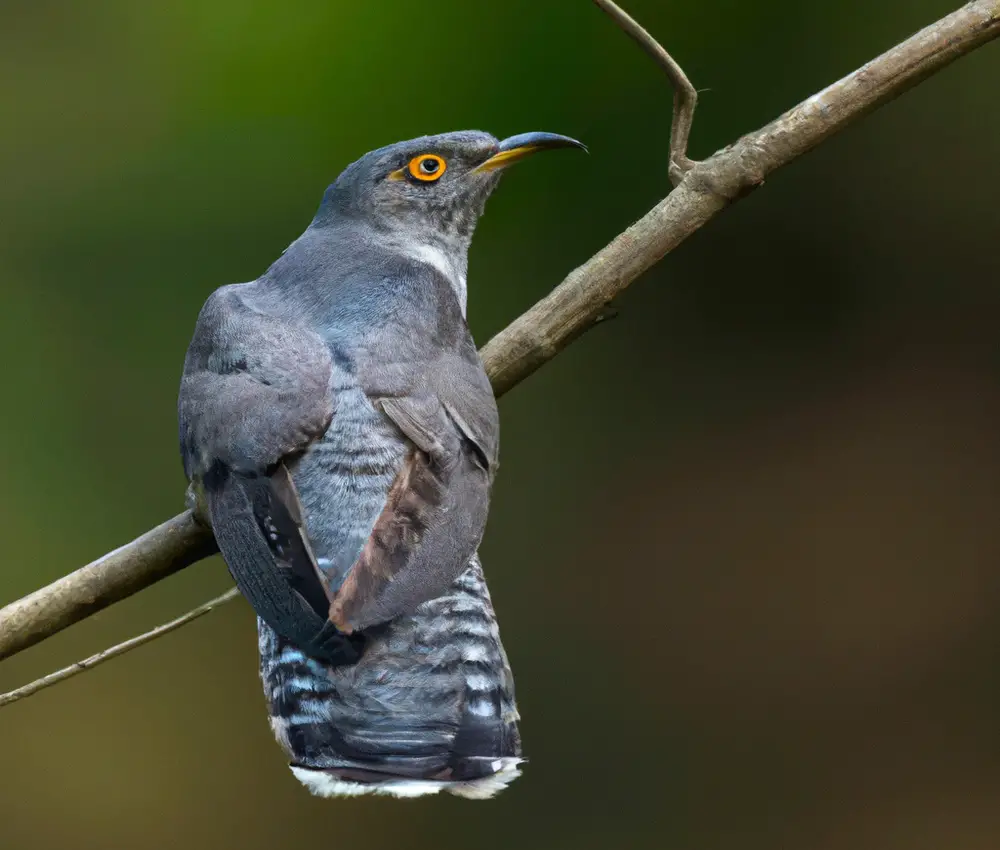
<point x="255" y="391"/>
<point x="435" y="513"/>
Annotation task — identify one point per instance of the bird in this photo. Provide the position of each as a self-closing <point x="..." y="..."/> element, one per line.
<point x="337" y="423"/>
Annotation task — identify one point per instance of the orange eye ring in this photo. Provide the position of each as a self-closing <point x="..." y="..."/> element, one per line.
<point x="427" y="167"/>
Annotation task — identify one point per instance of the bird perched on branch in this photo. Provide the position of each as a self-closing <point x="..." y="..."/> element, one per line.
<point x="336" y="418"/>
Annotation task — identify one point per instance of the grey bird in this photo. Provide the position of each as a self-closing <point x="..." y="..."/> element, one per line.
<point x="337" y="422"/>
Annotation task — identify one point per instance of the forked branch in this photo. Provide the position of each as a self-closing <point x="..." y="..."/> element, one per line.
<point x="685" y="94"/>
<point x="703" y="190"/>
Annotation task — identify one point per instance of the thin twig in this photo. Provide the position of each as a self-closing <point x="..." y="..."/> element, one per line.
<point x="685" y="94"/>
<point x="114" y="651"/>
<point x="572" y="307"/>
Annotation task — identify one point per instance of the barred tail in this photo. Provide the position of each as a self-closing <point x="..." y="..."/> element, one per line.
<point x="429" y="706"/>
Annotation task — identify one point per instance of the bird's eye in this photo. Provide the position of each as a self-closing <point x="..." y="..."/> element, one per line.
<point x="427" y="167"/>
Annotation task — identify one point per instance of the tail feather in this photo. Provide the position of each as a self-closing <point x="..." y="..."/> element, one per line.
<point x="428" y="707"/>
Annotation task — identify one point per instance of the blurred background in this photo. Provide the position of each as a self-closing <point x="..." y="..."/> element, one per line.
<point x="744" y="541"/>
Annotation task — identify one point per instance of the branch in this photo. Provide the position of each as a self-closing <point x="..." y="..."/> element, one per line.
<point x="119" y="649"/>
<point x="712" y="185"/>
<point x="167" y="549"/>
<point x="579" y="302"/>
<point x="685" y="95"/>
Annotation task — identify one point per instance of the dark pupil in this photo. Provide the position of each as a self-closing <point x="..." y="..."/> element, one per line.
<point x="429" y="166"/>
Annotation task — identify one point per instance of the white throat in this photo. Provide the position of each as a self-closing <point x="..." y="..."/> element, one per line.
<point x="455" y="273"/>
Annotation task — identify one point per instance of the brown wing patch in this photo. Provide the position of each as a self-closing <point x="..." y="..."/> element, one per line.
<point x="414" y="498"/>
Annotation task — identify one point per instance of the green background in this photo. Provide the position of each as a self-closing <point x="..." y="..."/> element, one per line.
<point x="744" y="539"/>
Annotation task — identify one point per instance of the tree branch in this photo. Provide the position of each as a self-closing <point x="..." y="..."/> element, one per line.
<point x="685" y="94"/>
<point x="167" y="549"/>
<point x="579" y="302"/>
<point x="712" y="185"/>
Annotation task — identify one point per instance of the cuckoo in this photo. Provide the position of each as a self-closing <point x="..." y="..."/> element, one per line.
<point x="338" y="425"/>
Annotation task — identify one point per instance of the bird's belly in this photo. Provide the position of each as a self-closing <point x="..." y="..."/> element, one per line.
<point x="343" y="480"/>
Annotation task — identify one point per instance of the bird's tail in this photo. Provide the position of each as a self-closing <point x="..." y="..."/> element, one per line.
<point x="429" y="706"/>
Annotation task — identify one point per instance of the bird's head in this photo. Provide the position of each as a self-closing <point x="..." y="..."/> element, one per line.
<point x="430" y="189"/>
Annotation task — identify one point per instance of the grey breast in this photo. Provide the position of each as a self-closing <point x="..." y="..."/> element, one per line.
<point x="344" y="477"/>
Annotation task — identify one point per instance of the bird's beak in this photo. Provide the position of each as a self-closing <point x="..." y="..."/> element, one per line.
<point x="518" y="147"/>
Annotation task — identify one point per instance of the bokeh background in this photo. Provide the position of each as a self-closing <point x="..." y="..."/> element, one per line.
<point x="744" y="542"/>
